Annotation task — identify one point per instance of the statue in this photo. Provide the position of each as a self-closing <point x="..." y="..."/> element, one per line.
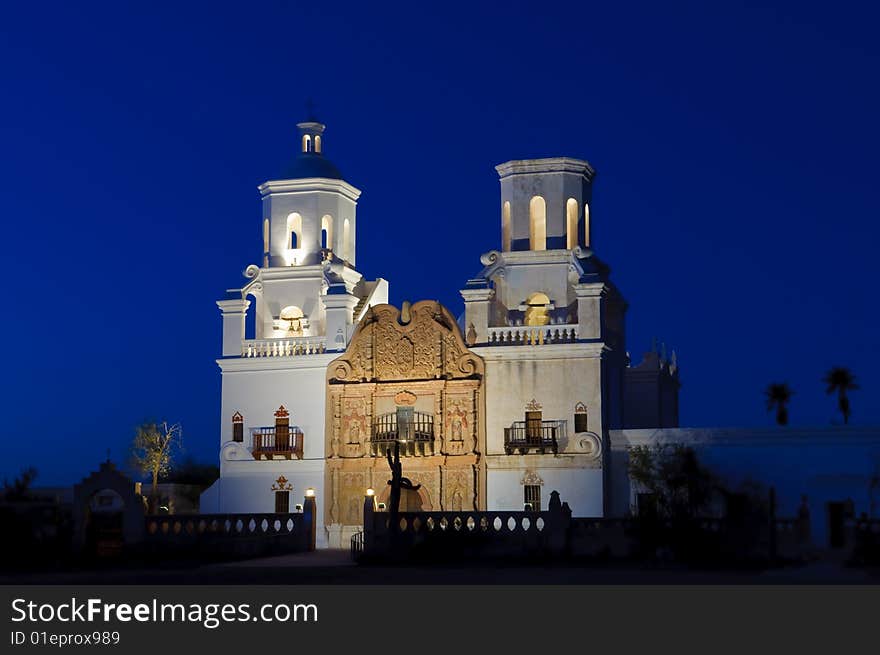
<point x="397" y="483"/>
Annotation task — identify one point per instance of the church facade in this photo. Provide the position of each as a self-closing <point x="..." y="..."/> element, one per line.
<point x="493" y="409"/>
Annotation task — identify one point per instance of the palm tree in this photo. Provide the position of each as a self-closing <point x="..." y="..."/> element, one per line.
<point x="841" y="380"/>
<point x="778" y="394"/>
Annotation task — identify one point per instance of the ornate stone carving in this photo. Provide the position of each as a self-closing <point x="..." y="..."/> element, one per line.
<point x="355" y="425"/>
<point x="405" y="399"/>
<point x="334" y="487"/>
<point x="457" y="425"/>
<point x="353" y="488"/>
<point x="531" y="478"/>
<point x="533" y="406"/>
<point x="281" y="484"/>
<point x="471" y="337"/>
<point x="428" y="346"/>
<point x="430" y="488"/>
<point x="590" y="444"/>
<point x="458" y="489"/>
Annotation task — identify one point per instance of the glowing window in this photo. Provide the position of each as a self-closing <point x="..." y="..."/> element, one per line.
<point x="586" y="225"/>
<point x="505" y="227"/>
<point x="292" y="320"/>
<point x="266" y="235"/>
<point x="317" y="143"/>
<point x="327" y="231"/>
<point x="294" y="229"/>
<point x="571" y="212"/>
<point x="537" y="309"/>
<point x="307" y="143"/>
<point x="537" y="223"/>
<point x="346" y="240"/>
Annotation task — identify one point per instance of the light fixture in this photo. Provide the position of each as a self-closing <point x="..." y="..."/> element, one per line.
<point x="310" y="493"/>
<point x="371" y="492"/>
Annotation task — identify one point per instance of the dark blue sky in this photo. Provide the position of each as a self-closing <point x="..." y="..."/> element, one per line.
<point x="736" y="144"/>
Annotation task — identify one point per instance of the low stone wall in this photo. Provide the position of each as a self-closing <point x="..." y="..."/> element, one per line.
<point x="228" y="535"/>
<point x="554" y="534"/>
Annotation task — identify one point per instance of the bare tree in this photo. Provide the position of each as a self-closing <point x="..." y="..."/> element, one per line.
<point x="153" y="449"/>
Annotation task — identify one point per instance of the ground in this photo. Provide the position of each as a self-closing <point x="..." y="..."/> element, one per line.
<point x="336" y="567"/>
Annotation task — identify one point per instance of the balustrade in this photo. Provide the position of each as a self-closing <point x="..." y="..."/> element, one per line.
<point x="526" y="335"/>
<point x="283" y="347"/>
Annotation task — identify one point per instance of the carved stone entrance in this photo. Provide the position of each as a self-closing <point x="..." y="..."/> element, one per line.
<point x="406" y="377"/>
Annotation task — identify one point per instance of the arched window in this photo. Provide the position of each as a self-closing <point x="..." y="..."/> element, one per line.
<point x="237" y="427"/>
<point x="266" y="235"/>
<point x="580" y="418"/>
<point x="327" y="231"/>
<point x="537" y="223"/>
<point x="505" y="227"/>
<point x="291" y="319"/>
<point x="294" y="229"/>
<point x="537" y="309"/>
<point x="571" y="225"/>
<point x="346" y="240"/>
<point x="586" y="225"/>
<point x="307" y="143"/>
<point x="317" y="143"/>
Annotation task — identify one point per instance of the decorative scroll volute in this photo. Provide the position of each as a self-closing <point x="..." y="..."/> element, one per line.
<point x="428" y="346"/>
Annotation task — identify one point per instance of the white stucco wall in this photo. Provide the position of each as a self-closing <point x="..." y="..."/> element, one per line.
<point x="257" y="387"/>
<point x="581" y="488"/>
<point x="557" y="376"/>
<point x="246" y="486"/>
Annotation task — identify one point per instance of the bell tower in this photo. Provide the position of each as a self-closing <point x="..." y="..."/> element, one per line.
<point x="545" y="204"/>
<point x="310" y="212"/>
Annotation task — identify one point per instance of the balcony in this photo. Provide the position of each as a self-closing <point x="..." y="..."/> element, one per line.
<point x="536" y="437"/>
<point x="416" y="436"/>
<point x="277" y="443"/>
<point x="525" y="335"/>
<point x="283" y="347"/>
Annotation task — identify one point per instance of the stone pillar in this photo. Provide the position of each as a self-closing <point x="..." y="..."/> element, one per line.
<point x="477" y="299"/>
<point x="233" y="313"/>
<point x="310" y="516"/>
<point x="369" y="522"/>
<point x="589" y="310"/>
<point x="339" y="305"/>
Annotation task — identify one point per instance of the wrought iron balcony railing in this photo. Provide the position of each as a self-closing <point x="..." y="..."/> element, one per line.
<point x="524" y="437"/>
<point x="416" y="437"/>
<point x="277" y="443"/>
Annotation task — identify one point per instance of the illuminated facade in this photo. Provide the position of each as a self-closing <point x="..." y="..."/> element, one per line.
<point x="493" y="410"/>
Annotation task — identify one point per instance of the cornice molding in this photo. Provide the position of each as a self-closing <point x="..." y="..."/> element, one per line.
<point x="588" y="350"/>
<point x="293" y="363"/>
<point x="546" y="165"/>
<point x="309" y="185"/>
